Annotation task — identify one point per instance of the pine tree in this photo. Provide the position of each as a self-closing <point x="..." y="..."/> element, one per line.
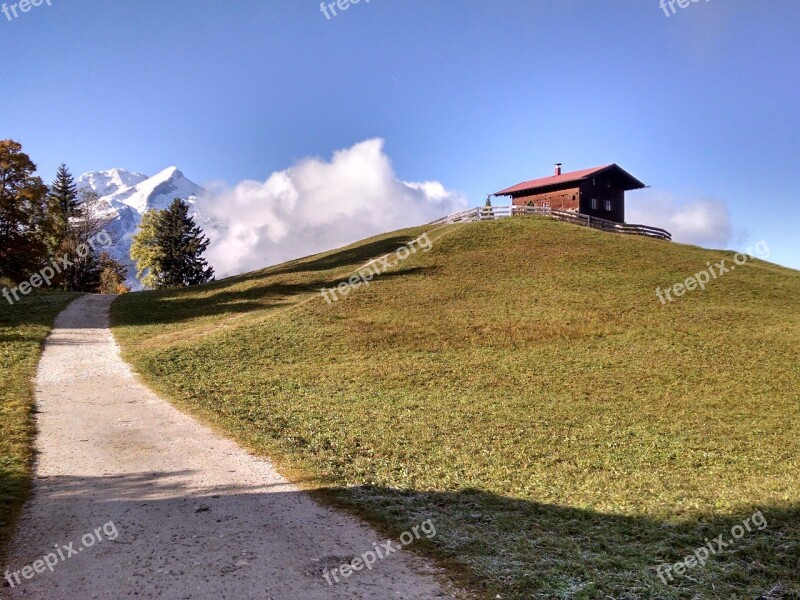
<point x="182" y="244"/>
<point x="63" y="205"/>
<point x="64" y="191"/>
<point x="22" y="213"/>
<point x="168" y="249"/>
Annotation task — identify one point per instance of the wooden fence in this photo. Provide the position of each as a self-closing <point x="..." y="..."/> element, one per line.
<point x="489" y="213"/>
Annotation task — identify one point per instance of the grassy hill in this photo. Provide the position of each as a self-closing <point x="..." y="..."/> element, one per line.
<point x="23" y="328"/>
<point x="521" y="385"/>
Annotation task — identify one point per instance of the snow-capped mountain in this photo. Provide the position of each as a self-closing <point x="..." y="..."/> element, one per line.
<point x="106" y="183"/>
<point x="125" y="196"/>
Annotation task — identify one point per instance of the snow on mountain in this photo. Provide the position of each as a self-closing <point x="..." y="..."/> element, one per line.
<point x="126" y="196"/>
<point x="106" y="183"/>
<point x="140" y="192"/>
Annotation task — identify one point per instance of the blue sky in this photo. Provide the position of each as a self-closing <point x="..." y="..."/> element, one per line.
<point x="701" y="105"/>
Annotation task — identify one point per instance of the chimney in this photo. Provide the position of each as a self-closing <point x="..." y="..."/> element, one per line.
<point x="558" y="169"/>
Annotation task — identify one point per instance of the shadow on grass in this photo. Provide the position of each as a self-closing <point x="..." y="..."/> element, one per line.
<point x="247" y="293"/>
<point x="38" y="309"/>
<point x="13" y="490"/>
<point x="16" y="338"/>
<point x="223" y="298"/>
<point x="522" y="549"/>
<point x="515" y="548"/>
<point x="351" y="257"/>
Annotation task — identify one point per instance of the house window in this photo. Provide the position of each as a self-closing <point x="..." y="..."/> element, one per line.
<point x="594" y="203"/>
<point x="545" y="205"/>
<point x="608" y="205"/>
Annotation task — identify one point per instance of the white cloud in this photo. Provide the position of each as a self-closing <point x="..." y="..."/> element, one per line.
<point x="313" y="206"/>
<point x="702" y="222"/>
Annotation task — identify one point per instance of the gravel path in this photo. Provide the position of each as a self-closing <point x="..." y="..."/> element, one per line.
<point x="172" y="509"/>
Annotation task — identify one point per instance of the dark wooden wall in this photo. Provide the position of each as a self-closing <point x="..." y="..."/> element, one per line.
<point x="603" y="188"/>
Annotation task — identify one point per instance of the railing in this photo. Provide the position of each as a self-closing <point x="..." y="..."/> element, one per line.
<point x="488" y="213"/>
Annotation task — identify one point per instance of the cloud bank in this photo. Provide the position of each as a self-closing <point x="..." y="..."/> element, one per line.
<point x="313" y="206"/>
<point x="701" y="222"/>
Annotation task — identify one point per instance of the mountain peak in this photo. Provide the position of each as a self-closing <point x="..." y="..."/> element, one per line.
<point x="168" y="173"/>
<point x="129" y="195"/>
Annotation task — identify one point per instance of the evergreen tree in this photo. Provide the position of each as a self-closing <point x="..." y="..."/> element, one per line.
<point x="22" y="213"/>
<point x="168" y="249"/>
<point x="63" y="205"/>
<point x="182" y="244"/>
<point x="64" y="191"/>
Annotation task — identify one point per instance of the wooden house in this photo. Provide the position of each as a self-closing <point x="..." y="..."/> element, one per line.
<point x="597" y="192"/>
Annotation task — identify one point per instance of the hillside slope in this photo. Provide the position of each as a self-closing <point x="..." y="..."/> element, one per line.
<point x="521" y="385"/>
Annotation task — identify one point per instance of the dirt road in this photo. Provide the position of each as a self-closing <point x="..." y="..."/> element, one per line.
<point x="135" y="499"/>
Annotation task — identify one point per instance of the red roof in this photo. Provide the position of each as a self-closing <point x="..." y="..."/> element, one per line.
<point x="573" y="177"/>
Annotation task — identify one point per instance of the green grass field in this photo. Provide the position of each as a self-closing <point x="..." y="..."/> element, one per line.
<point x="522" y="386"/>
<point x="23" y="328"/>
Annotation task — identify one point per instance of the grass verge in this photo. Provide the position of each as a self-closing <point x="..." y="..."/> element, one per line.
<point x="23" y="328"/>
